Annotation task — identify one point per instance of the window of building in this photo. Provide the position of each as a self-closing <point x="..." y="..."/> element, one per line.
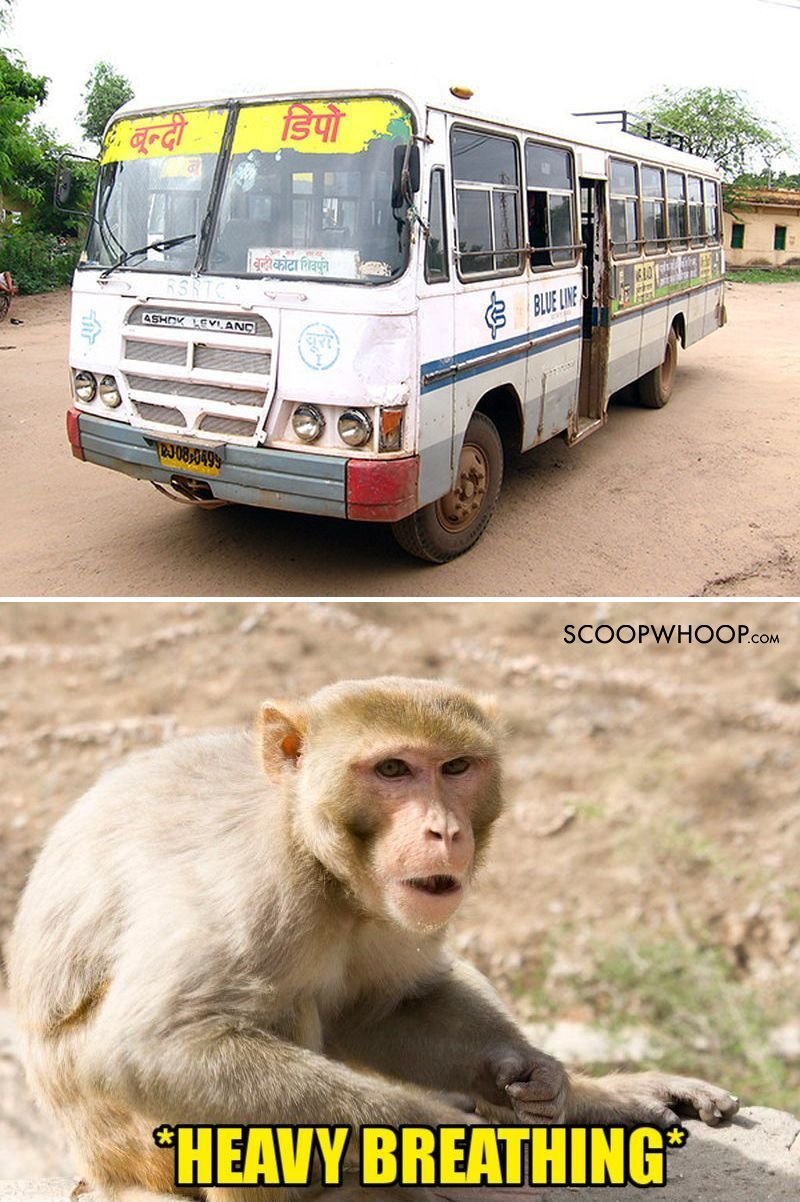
<point x="551" y="204"/>
<point x="486" y="178"/>
<point x="696" y="230"/>
<point x="779" y="242"/>
<point x="654" y="223"/>
<point x="624" y="208"/>
<point x="436" y="268"/>
<point x="737" y="236"/>
<point x="676" y="205"/>
<point x="711" y="204"/>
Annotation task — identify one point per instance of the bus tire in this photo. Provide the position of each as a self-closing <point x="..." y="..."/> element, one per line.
<point x="657" y="386"/>
<point x="450" y="526"/>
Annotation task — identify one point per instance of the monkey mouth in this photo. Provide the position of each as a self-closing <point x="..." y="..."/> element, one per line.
<point x="437" y="886"/>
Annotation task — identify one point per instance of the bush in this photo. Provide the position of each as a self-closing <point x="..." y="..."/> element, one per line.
<point x="37" y="261"/>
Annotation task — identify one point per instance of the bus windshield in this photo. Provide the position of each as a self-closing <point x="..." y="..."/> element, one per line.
<point x="309" y="190"/>
<point x="154" y="185"/>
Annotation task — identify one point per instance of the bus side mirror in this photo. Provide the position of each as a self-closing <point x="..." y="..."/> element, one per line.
<point x="404" y="189"/>
<point x="63" y="190"/>
<point x="414" y="177"/>
<point x="68" y="184"/>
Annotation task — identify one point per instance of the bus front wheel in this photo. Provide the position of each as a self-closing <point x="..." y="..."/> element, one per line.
<point x="656" y="387"/>
<point x="450" y="526"/>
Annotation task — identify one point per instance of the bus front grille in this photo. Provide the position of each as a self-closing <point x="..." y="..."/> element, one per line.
<point x="155" y="352"/>
<point x="164" y="415"/>
<point x="195" y="392"/>
<point x="224" y="359"/>
<point x="227" y="425"/>
<point x="216" y="367"/>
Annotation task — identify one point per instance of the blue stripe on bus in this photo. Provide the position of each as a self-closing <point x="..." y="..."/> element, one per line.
<point x="567" y="329"/>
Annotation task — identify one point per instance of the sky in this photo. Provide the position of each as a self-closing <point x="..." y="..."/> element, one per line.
<point x="526" y="56"/>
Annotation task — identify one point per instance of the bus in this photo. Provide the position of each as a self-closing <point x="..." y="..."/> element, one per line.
<point x="357" y="304"/>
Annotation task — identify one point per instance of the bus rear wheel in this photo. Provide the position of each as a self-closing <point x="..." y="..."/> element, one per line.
<point x="657" y="386"/>
<point x="450" y="526"/>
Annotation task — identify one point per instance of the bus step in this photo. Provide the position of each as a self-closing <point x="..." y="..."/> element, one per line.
<point x="586" y="426"/>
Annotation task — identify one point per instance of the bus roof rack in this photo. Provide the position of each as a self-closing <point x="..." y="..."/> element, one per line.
<point x="642" y="127"/>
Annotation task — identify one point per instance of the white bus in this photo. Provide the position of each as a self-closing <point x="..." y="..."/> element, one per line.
<point x="353" y="303"/>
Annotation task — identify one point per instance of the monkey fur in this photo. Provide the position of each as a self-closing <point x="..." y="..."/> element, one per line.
<point x="221" y="934"/>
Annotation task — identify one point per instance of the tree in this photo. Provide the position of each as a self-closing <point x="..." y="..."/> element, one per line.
<point x="105" y="91"/>
<point x="20" y="95"/>
<point x="769" y="179"/>
<point x="5" y="12"/>
<point x="720" y="124"/>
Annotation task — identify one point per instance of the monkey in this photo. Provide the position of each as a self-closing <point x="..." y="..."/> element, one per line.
<point x="246" y="930"/>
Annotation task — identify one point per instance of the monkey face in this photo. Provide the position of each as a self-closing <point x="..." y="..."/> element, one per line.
<point x="394" y="786"/>
<point x="420" y="858"/>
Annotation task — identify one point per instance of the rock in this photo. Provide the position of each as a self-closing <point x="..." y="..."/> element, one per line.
<point x="754" y="1159"/>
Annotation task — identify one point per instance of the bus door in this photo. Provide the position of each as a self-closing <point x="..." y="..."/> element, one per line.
<point x="592" y="400"/>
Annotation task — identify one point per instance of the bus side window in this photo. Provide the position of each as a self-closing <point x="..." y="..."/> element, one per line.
<point x="551" y="205"/>
<point x="436" y="267"/>
<point x="486" y="177"/>
<point x="624" y="208"/>
<point x="676" y="194"/>
<point x="712" y="210"/>
<point x="696" y="210"/>
<point x="653" y="211"/>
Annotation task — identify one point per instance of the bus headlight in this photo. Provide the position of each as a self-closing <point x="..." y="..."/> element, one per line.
<point x="109" y="393"/>
<point x="85" y="386"/>
<point x="307" y="423"/>
<point x="354" y="427"/>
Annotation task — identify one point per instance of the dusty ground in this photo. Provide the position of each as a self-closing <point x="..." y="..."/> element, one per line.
<point x="698" y="499"/>
<point x="647" y="872"/>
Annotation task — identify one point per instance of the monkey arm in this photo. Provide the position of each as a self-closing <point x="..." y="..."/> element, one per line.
<point x="214" y="1071"/>
<point x="457" y="1036"/>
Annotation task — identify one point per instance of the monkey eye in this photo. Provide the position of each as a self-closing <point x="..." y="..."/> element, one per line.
<point x="390" y="769"/>
<point x="456" y="767"/>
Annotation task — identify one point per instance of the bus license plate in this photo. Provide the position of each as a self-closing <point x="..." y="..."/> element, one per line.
<point x="198" y="460"/>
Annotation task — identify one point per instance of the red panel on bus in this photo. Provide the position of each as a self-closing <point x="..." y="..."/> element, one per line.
<point x="74" y="433"/>
<point x="382" y="490"/>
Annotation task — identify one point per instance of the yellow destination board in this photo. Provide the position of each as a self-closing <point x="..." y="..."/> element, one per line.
<point x="181" y="132"/>
<point x="320" y="126"/>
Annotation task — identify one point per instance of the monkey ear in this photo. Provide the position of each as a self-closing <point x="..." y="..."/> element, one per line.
<point x="281" y="728"/>
<point x="490" y="706"/>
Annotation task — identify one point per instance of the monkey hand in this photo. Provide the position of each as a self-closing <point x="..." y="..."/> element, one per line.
<point x="659" y="1098"/>
<point x="536" y="1086"/>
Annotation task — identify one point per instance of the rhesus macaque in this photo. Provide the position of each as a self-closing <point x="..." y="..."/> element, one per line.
<point x="210" y="939"/>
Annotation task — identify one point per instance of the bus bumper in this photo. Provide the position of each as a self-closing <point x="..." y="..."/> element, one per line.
<point x="367" y="490"/>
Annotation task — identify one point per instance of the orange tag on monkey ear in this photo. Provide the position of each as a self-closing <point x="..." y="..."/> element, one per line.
<point x="290" y="745"/>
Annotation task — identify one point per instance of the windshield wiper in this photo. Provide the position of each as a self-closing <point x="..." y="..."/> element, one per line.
<point x="142" y="250"/>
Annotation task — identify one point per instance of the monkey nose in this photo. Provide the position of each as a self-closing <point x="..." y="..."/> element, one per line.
<point x="443" y="831"/>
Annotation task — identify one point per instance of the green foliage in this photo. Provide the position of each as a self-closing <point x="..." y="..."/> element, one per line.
<point x="38" y="262"/>
<point x="105" y="91"/>
<point x="764" y="275"/>
<point x="721" y="125"/>
<point x="29" y="156"/>
<point x="20" y="95"/>
<point x="768" y="179"/>
<point x="36" y="177"/>
<point x="702" y="1020"/>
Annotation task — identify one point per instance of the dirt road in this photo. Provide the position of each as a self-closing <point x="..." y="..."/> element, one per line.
<point x="697" y="499"/>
